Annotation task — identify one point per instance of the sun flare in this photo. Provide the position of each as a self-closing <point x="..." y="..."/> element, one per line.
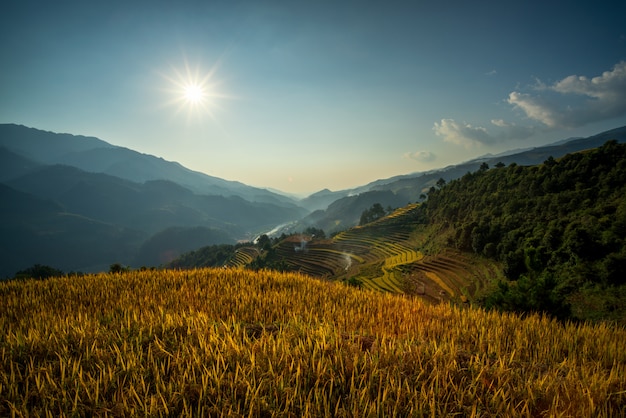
<point x="193" y="91"/>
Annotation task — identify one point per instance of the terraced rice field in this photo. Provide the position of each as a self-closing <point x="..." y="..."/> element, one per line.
<point x="383" y="256"/>
<point x="385" y="242"/>
<point x="242" y="257"/>
<point x="396" y="264"/>
<point x="314" y="257"/>
<point x="450" y="276"/>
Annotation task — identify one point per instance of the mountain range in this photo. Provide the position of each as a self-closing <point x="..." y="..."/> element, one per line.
<point x="337" y="210"/>
<point x="80" y="203"/>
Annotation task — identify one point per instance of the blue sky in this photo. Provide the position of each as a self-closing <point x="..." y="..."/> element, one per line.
<point x="301" y="96"/>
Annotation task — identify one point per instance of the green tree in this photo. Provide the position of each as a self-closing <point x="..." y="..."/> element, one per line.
<point x="38" y="271"/>
<point x="315" y="232"/>
<point x="557" y="227"/>
<point x="117" y="268"/>
<point x="550" y="162"/>
<point x="264" y="242"/>
<point x="370" y="215"/>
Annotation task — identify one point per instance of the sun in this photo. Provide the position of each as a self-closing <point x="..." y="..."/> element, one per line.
<point x="194" y="94"/>
<point x="193" y="90"/>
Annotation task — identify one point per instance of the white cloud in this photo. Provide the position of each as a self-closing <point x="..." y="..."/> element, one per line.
<point x="535" y="108"/>
<point x="571" y="102"/>
<point x="468" y="135"/>
<point x="510" y="130"/>
<point x="499" y="122"/>
<point x="462" y="133"/>
<point x="421" y="156"/>
<point x="604" y="97"/>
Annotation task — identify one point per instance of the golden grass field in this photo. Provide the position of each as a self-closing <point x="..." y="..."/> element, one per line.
<point x="219" y="342"/>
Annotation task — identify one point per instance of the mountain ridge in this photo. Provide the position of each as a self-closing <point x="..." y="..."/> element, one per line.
<point x="95" y="155"/>
<point x="412" y="187"/>
<point x="118" y="204"/>
<point x="98" y="208"/>
<point x="559" y="148"/>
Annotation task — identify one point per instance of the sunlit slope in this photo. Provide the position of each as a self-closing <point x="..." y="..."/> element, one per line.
<point x="384" y="255"/>
<point x="397" y="264"/>
<point x="386" y="244"/>
<point x="238" y="343"/>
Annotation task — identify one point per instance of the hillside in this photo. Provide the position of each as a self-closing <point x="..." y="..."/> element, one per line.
<point x="547" y="238"/>
<point x="344" y="213"/>
<point x="150" y="206"/>
<point x="115" y="220"/>
<point x="239" y="343"/>
<point x="558" y="228"/>
<point x="115" y="205"/>
<point x="389" y="255"/>
<point x="39" y="231"/>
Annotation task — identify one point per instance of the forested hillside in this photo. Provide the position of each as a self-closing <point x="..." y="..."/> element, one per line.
<point x="558" y="228"/>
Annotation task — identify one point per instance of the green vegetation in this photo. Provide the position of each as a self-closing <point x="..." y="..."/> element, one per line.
<point x="225" y="342"/>
<point x="117" y="268"/>
<point x="558" y="228"/>
<point x="38" y="271"/>
<point x="209" y="256"/>
<point x="372" y="214"/>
